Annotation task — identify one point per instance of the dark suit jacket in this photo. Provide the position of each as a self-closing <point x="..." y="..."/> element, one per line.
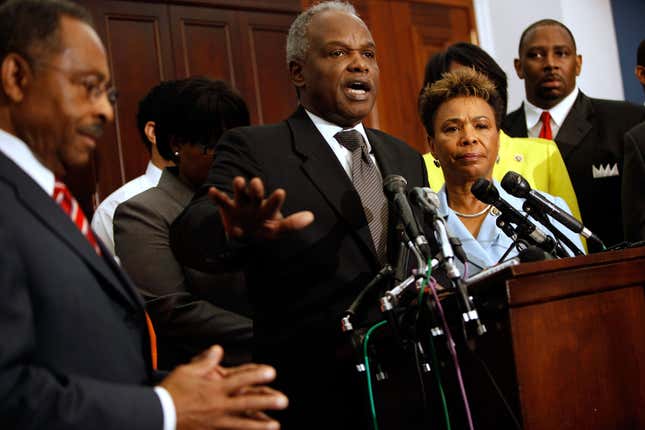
<point x="301" y="283"/>
<point x="633" y="192"/>
<point x="592" y="135"/>
<point x="75" y="352"/>
<point x="190" y="310"/>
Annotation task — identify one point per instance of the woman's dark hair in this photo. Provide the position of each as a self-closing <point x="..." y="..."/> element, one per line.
<point x="150" y="106"/>
<point x="463" y="82"/>
<point x="200" y="113"/>
<point x="468" y="55"/>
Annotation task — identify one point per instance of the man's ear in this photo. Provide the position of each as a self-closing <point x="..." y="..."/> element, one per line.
<point x="16" y="74"/>
<point x="518" y="68"/>
<point x="149" y="131"/>
<point x="640" y="74"/>
<point x="296" y="74"/>
<point x="578" y="64"/>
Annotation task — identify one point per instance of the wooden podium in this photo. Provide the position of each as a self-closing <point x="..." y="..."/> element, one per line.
<point x="575" y="333"/>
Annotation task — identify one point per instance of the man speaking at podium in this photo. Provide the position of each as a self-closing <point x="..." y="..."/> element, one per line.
<point x="321" y="232"/>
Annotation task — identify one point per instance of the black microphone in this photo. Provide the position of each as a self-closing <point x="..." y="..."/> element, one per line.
<point x="485" y="191"/>
<point x="426" y="199"/>
<point x="517" y="186"/>
<point x="394" y="187"/>
<point x="533" y="253"/>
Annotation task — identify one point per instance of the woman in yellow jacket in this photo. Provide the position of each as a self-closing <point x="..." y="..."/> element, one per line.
<point x="537" y="160"/>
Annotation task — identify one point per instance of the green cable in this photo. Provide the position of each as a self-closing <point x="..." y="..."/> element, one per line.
<point x="367" y="371"/>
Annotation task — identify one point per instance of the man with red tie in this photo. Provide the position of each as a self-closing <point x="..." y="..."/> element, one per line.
<point x="588" y="131"/>
<point x="75" y="352"/>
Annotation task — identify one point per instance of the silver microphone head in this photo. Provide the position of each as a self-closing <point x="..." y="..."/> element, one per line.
<point x="431" y="196"/>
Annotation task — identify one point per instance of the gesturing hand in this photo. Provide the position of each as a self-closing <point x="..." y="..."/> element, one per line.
<point x="208" y="396"/>
<point x="250" y="214"/>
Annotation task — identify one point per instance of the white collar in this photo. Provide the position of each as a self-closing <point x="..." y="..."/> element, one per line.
<point x="558" y="112"/>
<point x="153" y="173"/>
<point x="21" y="154"/>
<point x="329" y="129"/>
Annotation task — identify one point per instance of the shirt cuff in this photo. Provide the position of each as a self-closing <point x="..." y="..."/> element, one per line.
<point x="168" y="408"/>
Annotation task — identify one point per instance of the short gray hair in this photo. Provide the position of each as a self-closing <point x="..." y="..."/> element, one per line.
<point x="297" y="41"/>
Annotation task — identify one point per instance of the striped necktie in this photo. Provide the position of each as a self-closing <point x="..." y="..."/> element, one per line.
<point x="369" y="185"/>
<point x="70" y="206"/>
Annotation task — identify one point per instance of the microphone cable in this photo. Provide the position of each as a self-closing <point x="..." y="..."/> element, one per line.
<point x="436" y="368"/>
<point x="453" y="352"/>
<point x="370" y="392"/>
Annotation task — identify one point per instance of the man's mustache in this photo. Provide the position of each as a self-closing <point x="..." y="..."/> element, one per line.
<point x="93" y="130"/>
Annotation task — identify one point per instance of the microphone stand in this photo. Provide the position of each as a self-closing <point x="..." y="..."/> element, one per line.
<point x="346" y="323"/>
<point x="469" y="313"/>
<point x="533" y="211"/>
<point x="522" y="233"/>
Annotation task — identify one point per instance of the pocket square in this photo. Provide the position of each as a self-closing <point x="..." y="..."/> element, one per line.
<point x="605" y="171"/>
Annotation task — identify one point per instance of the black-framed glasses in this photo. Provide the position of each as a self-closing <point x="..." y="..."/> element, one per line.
<point x="94" y="87"/>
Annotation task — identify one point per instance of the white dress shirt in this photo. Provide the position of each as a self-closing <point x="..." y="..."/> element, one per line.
<point x="102" y="221"/>
<point x="328" y="130"/>
<point x="20" y="154"/>
<point x="558" y="113"/>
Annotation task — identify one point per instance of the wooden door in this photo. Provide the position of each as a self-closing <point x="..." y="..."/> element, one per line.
<point x="137" y="39"/>
<point x="239" y="41"/>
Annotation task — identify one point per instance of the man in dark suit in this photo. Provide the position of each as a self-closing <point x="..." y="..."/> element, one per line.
<point x="633" y="192"/>
<point x="312" y="245"/>
<point x="75" y="352"/>
<point x="589" y="132"/>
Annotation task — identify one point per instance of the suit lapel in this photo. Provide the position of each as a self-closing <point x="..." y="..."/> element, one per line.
<point x="515" y="123"/>
<point x="172" y="185"/>
<point x="324" y="170"/>
<point x="575" y="126"/>
<point x="49" y="213"/>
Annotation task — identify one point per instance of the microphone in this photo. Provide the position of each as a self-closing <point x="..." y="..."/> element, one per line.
<point x="394" y="187"/>
<point x="533" y="253"/>
<point x="449" y="247"/>
<point x="485" y="191"/>
<point x="516" y="185"/>
<point x="426" y="199"/>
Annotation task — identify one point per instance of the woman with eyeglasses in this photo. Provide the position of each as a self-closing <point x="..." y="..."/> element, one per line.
<point x="190" y="310"/>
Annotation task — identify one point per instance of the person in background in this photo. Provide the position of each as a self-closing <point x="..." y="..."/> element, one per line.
<point x="640" y="64"/>
<point x="189" y="309"/>
<point x="147" y="115"/>
<point x="462" y="113"/>
<point x="537" y="160"/>
<point x="589" y="132"/>
<point x="75" y="351"/>
<point x="633" y="191"/>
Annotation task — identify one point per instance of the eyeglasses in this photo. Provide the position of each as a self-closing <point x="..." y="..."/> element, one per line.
<point x="93" y="86"/>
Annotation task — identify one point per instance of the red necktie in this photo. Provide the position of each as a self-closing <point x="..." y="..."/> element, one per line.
<point x="546" y="132"/>
<point x="70" y="206"/>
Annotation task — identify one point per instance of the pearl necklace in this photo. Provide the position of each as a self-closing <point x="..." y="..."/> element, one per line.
<point x="475" y="215"/>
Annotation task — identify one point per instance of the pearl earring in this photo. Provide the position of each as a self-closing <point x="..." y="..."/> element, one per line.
<point x="436" y="163"/>
<point x="176" y="153"/>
